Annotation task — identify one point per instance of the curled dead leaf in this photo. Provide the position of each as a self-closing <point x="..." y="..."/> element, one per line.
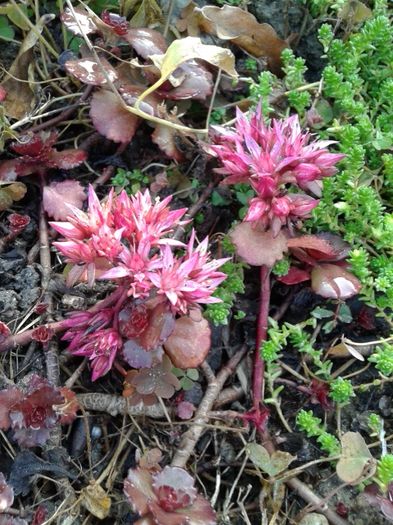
<point x="95" y="500"/>
<point x="243" y="29"/>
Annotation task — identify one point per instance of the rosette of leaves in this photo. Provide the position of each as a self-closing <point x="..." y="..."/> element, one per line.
<point x="33" y="409"/>
<point x="166" y="497"/>
<point x="38" y="155"/>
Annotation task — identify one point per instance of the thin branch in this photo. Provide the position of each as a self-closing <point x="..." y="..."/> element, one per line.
<point x="191" y="437"/>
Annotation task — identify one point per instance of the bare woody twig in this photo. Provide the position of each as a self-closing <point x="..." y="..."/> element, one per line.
<point x="215" y="385"/>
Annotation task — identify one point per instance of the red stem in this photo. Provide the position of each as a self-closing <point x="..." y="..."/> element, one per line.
<point x="259" y="364"/>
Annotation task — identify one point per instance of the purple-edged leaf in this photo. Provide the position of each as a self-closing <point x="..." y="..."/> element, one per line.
<point x="163" y="517"/>
<point x="89" y="71"/>
<point x="58" y="195"/>
<point x="6" y="494"/>
<point x="68" y="158"/>
<point x="138" y="357"/>
<point x="294" y="276"/>
<point x="82" y="20"/>
<point x="258" y="248"/>
<point x="111" y="119"/>
<point x="161" y="325"/>
<point x="200" y="513"/>
<point x="146" y="41"/>
<point x="8" y="398"/>
<point x="322" y="246"/>
<point x="333" y="282"/>
<point x="174" y="488"/>
<point x="189" y="343"/>
<point x="138" y="489"/>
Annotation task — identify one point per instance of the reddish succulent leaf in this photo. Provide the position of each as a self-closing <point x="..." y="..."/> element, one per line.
<point x="117" y="23"/>
<point x="189" y="343"/>
<point x="333" y="282"/>
<point x="161" y="325"/>
<point x="295" y="276"/>
<point x="58" y="195"/>
<point x="111" y="119"/>
<point x="256" y="247"/>
<point x="68" y="158"/>
<point x="6" y="494"/>
<point x="82" y="17"/>
<point x="8" y="398"/>
<point x="196" y="83"/>
<point x="138" y="357"/>
<point x="200" y="513"/>
<point x="158" y="380"/>
<point x="138" y="489"/>
<point x="174" y="488"/>
<point x="323" y="246"/>
<point x="89" y="71"/>
<point x="3" y="94"/>
<point x="243" y="29"/>
<point x="146" y="41"/>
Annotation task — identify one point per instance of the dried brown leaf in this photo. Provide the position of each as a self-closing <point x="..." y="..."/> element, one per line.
<point x="20" y="92"/>
<point x="243" y="29"/>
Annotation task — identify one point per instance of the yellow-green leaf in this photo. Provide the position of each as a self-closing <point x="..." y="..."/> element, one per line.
<point x="190" y="48"/>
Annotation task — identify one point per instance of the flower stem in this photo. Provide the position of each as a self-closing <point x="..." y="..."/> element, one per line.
<point x="259" y="364"/>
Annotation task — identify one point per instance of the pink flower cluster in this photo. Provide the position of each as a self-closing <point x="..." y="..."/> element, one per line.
<point x="128" y="239"/>
<point x="269" y="158"/>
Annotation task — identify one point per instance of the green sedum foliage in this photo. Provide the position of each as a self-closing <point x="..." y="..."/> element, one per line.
<point x="312" y="426"/>
<point x="383" y="359"/>
<point x="341" y="390"/>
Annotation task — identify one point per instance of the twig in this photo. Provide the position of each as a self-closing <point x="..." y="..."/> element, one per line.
<point x="66" y="114"/>
<point x="191" y="437"/>
<point x="115" y="405"/>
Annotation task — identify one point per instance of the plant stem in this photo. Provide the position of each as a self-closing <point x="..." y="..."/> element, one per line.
<point x="259" y="364"/>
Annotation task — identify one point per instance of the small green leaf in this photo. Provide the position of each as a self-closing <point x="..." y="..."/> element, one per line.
<point x="193" y="374"/>
<point x="186" y="383"/>
<point x="321" y="313"/>
<point x="329" y="326"/>
<point x="6" y="31"/>
<point x="344" y="314"/>
<point x="218" y="200"/>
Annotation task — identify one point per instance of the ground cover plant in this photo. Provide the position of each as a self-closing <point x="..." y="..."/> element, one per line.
<point x="196" y="262"/>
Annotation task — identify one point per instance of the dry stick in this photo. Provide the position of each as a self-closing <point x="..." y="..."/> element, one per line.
<point x="51" y="353"/>
<point x="215" y="385"/>
<point x="65" y="114"/>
